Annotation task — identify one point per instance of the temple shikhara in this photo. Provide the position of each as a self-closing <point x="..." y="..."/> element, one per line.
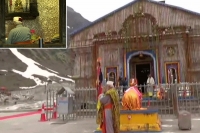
<point x="139" y="38"/>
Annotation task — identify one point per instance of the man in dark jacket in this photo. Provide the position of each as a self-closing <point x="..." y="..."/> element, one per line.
<point x="125" y="84"/>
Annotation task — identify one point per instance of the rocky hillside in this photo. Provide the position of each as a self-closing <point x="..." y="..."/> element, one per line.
<point x="74" y="21"/>
<point x="56" y="60"/>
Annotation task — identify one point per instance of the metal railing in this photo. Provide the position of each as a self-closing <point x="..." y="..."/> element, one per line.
<point x="167" y="98"/>
<point x="85" y="102"/>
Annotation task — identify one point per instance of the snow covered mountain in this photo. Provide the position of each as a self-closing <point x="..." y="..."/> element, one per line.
<point x="26" y="68"/>
<point x="74" y="21"/>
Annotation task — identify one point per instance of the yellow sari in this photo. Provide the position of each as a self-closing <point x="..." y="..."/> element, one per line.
<point x="116" y="112"/>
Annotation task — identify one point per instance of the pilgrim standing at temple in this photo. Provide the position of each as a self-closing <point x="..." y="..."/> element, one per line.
<point x="109" y="111"/>
<point x="150" y="85"/>
<point x="107" y="77"/>
<point x="125" y="84"/>
<point x="20" y="33"/>
<point x="120" y="83"/>
<point x="99" y="77"/>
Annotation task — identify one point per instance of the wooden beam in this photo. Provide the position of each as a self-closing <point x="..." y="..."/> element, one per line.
<point x="2" y="21"/>
<point x="62" y="21"/>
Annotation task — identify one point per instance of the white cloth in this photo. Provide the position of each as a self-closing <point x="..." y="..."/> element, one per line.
<point x="16" y="20"/>
<point x="110" y="83"/>
<point x="150" y="81"/>
<point x="101" y="96"/>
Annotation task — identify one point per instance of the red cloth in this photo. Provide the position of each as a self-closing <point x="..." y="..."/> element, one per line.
<point x="32" y="31"/>
<point x="98" y="72"/>
<point x="10" y="2"/>
<point x="103" y="124"/>
<point x="99" y="91"/>
<point x="99" y="87"/>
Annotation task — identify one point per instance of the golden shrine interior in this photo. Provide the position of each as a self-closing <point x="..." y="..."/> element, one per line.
<point x="42" y="16"/>
<point x="141" y="37"/>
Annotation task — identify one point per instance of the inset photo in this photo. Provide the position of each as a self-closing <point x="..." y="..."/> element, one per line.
<point x="33" y="24"/>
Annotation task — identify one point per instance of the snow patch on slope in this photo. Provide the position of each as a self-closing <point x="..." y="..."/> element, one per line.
<point x="34" y="69"/>
<point x="3" y="70"/>
<point x="51" y="70"/>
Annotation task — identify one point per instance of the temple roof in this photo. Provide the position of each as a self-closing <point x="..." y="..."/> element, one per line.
<point x="127" y="5"/>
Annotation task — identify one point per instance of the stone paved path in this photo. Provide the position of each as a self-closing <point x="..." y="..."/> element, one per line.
<point x="30" y="124"/>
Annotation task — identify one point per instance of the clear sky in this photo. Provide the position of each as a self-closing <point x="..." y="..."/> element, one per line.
<point x="94" y="9"/>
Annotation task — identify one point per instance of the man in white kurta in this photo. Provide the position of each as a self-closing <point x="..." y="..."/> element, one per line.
<point x="150" y="83"/>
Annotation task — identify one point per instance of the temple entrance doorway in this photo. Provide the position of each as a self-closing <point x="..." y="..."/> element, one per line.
<point x="142" y="72"/>
<point x="140" y="67"/>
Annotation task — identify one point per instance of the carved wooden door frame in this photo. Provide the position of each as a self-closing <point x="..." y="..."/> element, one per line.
<point x="112" y="69"/>
<point x="174" y="65"/>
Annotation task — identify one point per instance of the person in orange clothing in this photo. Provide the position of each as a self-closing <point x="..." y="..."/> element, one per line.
<point x="99" y="77"/>
<point x="132" y="97"/>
